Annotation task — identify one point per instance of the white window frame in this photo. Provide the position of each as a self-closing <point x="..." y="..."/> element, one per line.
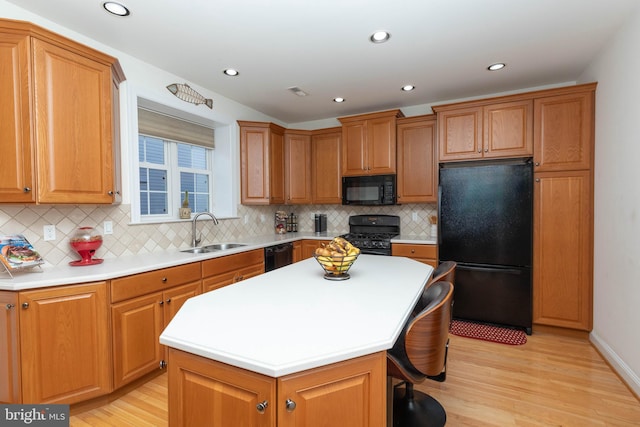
<point x="174" y="195"/>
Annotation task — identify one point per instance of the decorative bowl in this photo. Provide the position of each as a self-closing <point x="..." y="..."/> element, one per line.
<point x="336" y="267"/>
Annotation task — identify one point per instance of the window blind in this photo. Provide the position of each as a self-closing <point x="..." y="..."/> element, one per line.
<point x="174" y="129"/>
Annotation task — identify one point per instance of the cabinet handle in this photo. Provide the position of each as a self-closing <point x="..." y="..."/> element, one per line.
<point x="290" y="405"/>
<point x="262" y="406"/>
<point x="537" y="163"/>
<point x="240" y="278"/>
<point x="10" y="306"/>
<point x="479" y="150"/>
<point x="164" y="280"/>
<point x="25" y="305"/>
<point x="161" y="302"/>
<point x="163" y="364"/>
<point x="26" y="189"/>
<point x="486" y="150"/>
<point x="169" y="301"/>
<point x="110" y="193"/>
<point x="537" y="179"/>
<point x="413" y="251"/>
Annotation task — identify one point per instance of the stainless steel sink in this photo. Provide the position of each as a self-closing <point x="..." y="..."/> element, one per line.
<point x="213" y="248"/>
<point x="224" y="246"/>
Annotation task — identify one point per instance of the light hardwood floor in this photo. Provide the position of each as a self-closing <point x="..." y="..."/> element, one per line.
<point x="549" y="381"/>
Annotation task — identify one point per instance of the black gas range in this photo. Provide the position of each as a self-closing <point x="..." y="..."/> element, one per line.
<point x="373" y="233"/>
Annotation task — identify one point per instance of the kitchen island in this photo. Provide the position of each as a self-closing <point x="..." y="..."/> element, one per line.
<point x="291" y="348"/>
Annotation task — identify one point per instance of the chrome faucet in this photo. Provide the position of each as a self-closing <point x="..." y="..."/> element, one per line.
<point x="195" y="241"/>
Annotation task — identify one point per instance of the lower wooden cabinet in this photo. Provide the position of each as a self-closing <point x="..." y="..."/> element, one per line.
<point x="142" y="306"/>
<point x="64" y="343"/>
<point x="563" y="249"/>
<point x="205" y="392"/>
<point x="310" y="246"/>
<point x="223" y="271"/>
<point x="10" y="385"/>
<point x="427" y="254"/>
<point x="297" y="251"/>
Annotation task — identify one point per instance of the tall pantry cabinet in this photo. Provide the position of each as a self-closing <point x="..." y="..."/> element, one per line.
<point x="563" y="208"/>
<point x="556" y="127"/>
<point x="58" y="130"/>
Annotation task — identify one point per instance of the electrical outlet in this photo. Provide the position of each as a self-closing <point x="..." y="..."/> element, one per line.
<point x="49" y="232"/>
<point x="414" y="215"/>
<point x="263" y="218"/>
<point x="246" y="219"/>
<point x="107" y="227"/>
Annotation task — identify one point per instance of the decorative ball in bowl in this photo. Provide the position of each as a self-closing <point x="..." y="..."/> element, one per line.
<point x="336" y="258"/>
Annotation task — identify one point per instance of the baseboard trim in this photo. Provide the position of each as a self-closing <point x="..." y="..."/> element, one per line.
<point x="628" y="377"/>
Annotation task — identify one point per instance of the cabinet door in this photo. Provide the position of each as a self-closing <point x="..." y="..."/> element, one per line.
<point x="16" y="173"/>
<point x="298" y="168"/>
<point x="354" y="148"/>
<point x="563" y="248"/>
<point x="460" y="134"/>
<point x="73" y="126"/>
<point x="381" y="146"/>
<point x="310" y="246"/>
<point x="137" y="324"/>
<point x="325" y="168"/>
<point x="174" y="298"/>
<point x="563" y="132"/>
<point x="417" y="162"/>
<point x="254" y="157"/>
<point x="64" y="339"/>
<point x="350" y="393"/>
<point x="203" y="392"/>
<point x="10" y="391"/>
<point x="508" y="129"/>
<point x="297" y="251"/>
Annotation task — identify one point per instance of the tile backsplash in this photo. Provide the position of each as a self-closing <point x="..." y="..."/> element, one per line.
<point x="138" y="239"/>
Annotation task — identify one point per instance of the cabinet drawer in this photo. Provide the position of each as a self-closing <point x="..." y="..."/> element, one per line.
<point x="144" y="283"/>
<point x="414" y="251"/>
<point x="232" y="262"/>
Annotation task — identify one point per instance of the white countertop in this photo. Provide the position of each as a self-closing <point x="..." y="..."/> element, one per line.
<point x="415" y="239"/>
<point x="111" y="268"/>
<point x="292" y="319"/>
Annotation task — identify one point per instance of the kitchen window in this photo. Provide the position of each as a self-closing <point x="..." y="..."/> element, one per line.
<point x="174" y="157"/>
<point x="167" y="170"/>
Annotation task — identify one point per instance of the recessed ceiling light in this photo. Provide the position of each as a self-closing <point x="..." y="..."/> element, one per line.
<point x="379" y="37"/>
<point x="338" y="100"/>
<point x="116" y="8"/>
<point x="231" y="72"/>
<point x="408" y="88"/>
<point x="497" y="66"/>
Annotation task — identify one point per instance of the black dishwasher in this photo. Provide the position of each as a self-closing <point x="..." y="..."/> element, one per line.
<point x="278" y="256"/>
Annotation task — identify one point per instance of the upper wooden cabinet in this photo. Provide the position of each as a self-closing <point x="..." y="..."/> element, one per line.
<point x="369" y="143"/>
<point x="325" y="166"/>
<point x="57" y="118"/>
<point x="417" y="162"/>
<point x="563" y="132"/>
<point x="261" y="163"/>
<point x="471" y="131"/>
<point x="297" y="166"/>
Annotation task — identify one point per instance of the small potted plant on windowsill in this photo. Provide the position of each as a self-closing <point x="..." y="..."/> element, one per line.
<point x="185" y="210"/>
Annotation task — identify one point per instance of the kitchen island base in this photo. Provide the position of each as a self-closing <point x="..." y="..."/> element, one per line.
<point x="207" y="392"/>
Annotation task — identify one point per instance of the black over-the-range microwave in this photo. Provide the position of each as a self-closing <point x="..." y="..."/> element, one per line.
<point x="370" y="190"/>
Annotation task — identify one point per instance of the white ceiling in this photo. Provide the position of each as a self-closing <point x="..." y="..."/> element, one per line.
<point x="441" y="46"/>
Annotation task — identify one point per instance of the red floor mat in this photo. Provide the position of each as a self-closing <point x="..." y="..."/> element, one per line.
<point x="488" y="332"/>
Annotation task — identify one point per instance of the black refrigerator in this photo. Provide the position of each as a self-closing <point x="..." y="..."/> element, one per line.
<point x="485" y="225"/>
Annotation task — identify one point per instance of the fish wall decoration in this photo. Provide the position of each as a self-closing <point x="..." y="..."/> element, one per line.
<point x="186" y="93"/>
